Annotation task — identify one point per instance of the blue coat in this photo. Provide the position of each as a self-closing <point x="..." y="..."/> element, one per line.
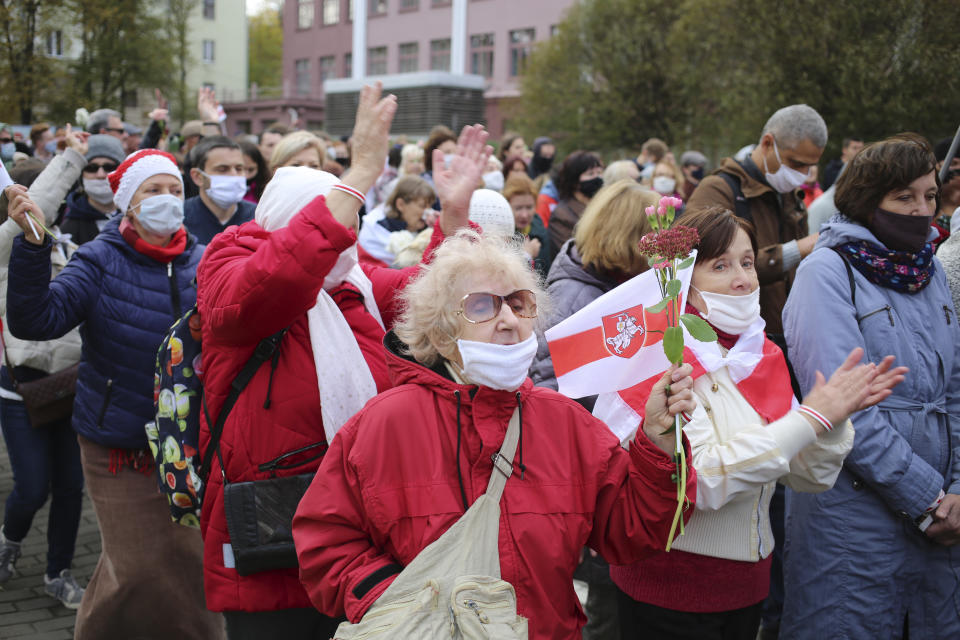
<point x="855" y="564"/>
<point x="126" y="302"/>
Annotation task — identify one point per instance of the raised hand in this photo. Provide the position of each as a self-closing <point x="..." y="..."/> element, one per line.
<point x="76" y="140"/>
<point x="159" y="115"/>
<point x="370" y="139"/>
<point x="456" y="183"/>
<point x="207" y="105"/>
<point x="663" y="405"/>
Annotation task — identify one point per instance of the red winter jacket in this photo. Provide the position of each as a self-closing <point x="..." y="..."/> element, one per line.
<point x="388" y="487"/>
<point x="253" y="283"/>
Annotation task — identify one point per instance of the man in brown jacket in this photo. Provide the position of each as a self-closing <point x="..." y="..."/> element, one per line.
<point x="763" y="189"/>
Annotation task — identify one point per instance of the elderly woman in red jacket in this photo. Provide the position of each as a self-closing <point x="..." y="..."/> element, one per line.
<point x="412" y="461"/>
<point x="295" y="268"/>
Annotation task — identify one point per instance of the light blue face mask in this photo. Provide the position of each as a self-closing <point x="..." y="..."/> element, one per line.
<point x="7" y="149"/>
<point x="161" y="214"/>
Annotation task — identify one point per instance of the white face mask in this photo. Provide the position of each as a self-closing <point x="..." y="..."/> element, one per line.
<point x="493" y="180"/>
<point x="161" y="214"/>
<point x="785" y="179"/>
<point x="345" y="263"/>
<point x="497" y="366"/>
<point x="731" y="314"/>
<point x="664" y="185"/>
<point x="98" y="190"/>
<point x="226" y="191"/>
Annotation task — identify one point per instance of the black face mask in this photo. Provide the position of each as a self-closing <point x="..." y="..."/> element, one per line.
<point x="697" y="174"/>
<point x="590" y="187"/>
<point x="900" y="232"/>
<point x="343" y="161"/>
<point x="541" y="164"/>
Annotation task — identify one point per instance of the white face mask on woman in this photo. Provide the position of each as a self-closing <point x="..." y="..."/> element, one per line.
<point x="162" y="214"/>
<point x="497" y="366"/>
<point x="98" y="190"/>
<point x="664" y="185"/>
<point x="731" y="314"/>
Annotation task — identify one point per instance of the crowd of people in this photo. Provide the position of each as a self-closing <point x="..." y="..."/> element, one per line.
<point x="408" y="284"/>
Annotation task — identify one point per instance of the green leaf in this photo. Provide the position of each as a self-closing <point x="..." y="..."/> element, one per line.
<point x="673" y="288"/>
<point x="673" y="344"/>
<point x="685" y="264"/>
<point x="698" y="328"/>
<point x="660" y="306"/>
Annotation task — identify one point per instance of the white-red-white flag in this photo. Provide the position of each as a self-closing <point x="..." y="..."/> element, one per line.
<point x="614" y="343"/>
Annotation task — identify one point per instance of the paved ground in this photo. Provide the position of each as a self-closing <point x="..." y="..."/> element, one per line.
<point x="26" y="612"/>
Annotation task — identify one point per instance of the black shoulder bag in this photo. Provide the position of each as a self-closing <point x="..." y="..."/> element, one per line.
<point x="260" y="512"/>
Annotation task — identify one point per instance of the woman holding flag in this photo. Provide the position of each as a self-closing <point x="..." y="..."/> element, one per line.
<point x="391" y="485"/>
<point x="746" y="433"/>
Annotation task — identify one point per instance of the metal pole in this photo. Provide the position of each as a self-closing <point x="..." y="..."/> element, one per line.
<point x="945" y="169"/>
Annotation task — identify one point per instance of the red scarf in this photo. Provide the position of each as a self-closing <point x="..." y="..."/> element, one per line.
<point x="726" y="340"/>
<point x="176" y="246"/>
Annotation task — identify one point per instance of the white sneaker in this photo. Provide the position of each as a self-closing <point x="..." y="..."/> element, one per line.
<point x="64" y="588"/>
<point x="9" y="552"/>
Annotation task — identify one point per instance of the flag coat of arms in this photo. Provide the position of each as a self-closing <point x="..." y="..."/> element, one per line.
<point x="614" y="342"/>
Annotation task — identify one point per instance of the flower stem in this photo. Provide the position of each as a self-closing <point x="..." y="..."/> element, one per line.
<point x="680" y="459"/>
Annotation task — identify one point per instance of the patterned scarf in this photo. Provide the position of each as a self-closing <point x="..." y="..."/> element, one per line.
<point x="898" y="270"/>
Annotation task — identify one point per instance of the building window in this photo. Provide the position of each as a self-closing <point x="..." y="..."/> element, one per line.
<point x="409" y="5"/>
<point x="376" y="61"/>
<point x="378" y="7"/>
<point x="331" y="11"/>
<point x="302" y="76"/>
<point x="409" y="57"/>
<point x="440" y="55"/>
<point x="208" y="51"/>
<point x="350" y="10"/>
<point x="440" y="3"/>
<point x="481" y="55"/>
<point x="304" y="14"/>
<point x="55" y="43"/>
<point x="348" y="65"/>
<point x="554" y="30"/>
<point x="130" y="98"/>
<point x="328" y="68"/>
<point x="210" y="9"/>
<point x="521" y="42"/>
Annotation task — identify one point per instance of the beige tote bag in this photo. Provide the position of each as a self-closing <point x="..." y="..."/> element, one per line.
<point x="452" y="589"/>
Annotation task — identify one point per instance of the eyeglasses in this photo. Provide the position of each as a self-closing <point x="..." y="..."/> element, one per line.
<point x="483" y="307"/>
<point x="119" y="130"/>
<point x="93" y="167"/>
<point x="5" y="140"/>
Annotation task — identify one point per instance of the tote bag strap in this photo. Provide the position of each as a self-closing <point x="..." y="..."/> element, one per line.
<point x="503" y="459"/>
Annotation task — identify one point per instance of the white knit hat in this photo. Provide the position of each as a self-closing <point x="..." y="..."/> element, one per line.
<point x="492" y="212"/>
<point x="139" y="166"/>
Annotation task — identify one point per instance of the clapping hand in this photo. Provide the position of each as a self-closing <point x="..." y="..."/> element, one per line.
<point x="852" y="387"/>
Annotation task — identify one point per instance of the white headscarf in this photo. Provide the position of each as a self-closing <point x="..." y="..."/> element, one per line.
<point x="343" y="376"/>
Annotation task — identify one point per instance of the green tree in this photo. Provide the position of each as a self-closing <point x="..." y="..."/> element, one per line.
<point x="124" y="47"/>
<point x="603" y="80"/>
<point x="22" y="66"/>
<point x="178" y="32"/>
<point x="708" y="73"/>
<point x="265" y="51"/>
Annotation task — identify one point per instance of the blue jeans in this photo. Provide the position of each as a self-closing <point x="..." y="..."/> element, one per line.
<point x="45" y="461"/>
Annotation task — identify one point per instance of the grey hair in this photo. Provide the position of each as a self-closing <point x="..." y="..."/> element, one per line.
<point x="100" y="118"/>
<point x="796" y="123"/>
